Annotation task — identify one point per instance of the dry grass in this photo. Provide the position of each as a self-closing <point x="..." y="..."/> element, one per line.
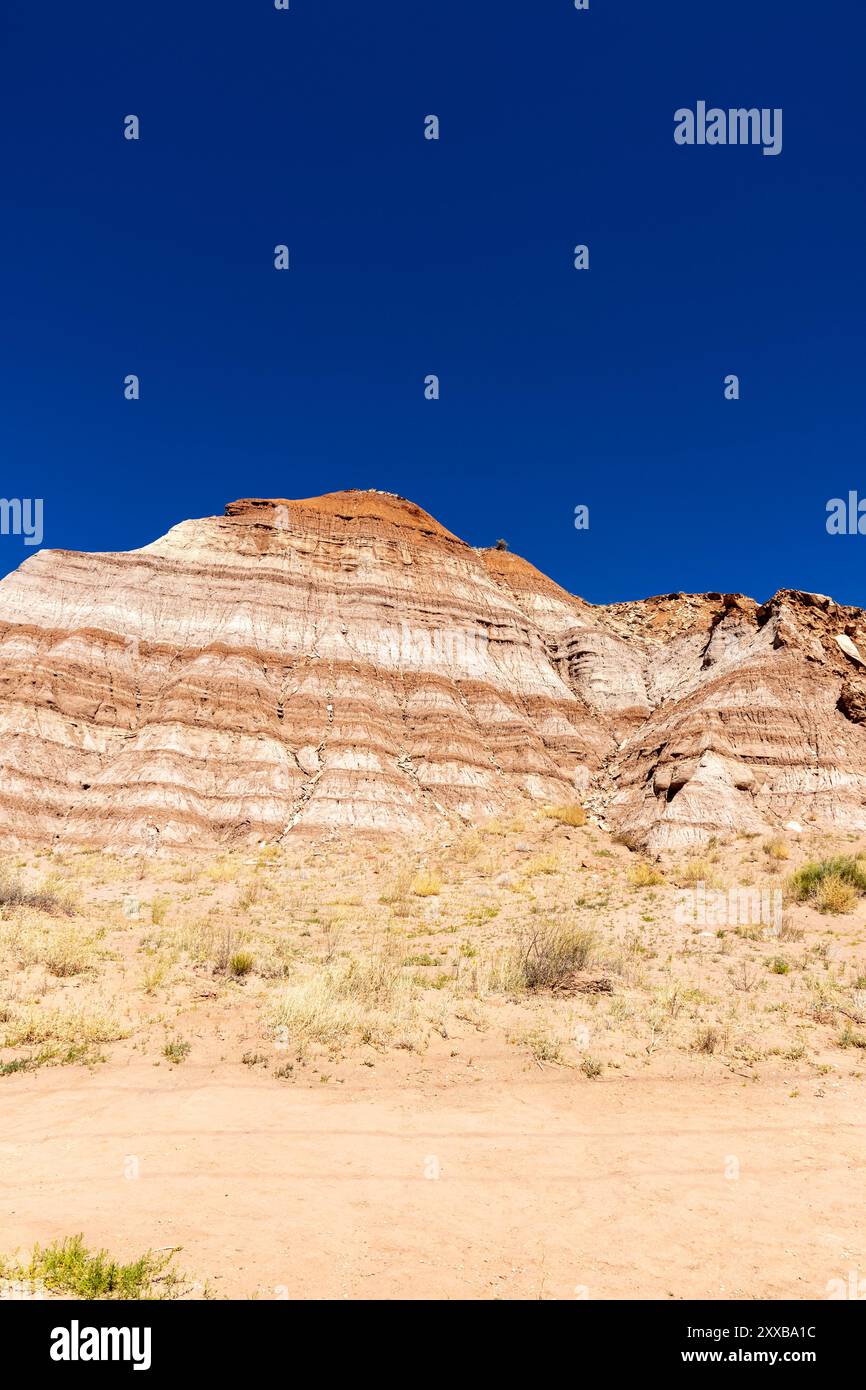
<point x="332" y="949"/>
<point x="776" y="849"/>
<point x="47" y="898"/>
<point x="571" y="814"/>
<point x="542" y="1045"/>
<point x="399" y="890"/>
<point x="426" y="885"/>
<point x="697" y="871"/>
<point x="645" y="875"/>
<point x="368" y="998"/>
<point x="833" y="894"/>
<point x="79" y="1025"/>
<point x="30" y="941"/>
<point x="542" y="864"/>
<point x="550" y="955"/>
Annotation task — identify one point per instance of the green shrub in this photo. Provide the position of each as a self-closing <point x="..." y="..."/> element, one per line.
<point x="848" y="868"/>
<point x="241" y="964"/>
<point x="67" y="1267"/>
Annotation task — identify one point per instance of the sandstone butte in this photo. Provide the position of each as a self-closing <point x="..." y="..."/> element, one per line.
<point x="343" y="663"/>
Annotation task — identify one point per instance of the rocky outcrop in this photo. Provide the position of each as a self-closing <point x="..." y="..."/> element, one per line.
<point x="346" y="663"/>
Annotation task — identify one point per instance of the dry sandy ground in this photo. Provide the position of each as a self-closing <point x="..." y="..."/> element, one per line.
<point x="545" y="1188"/>
<point x="375" y="1108"/>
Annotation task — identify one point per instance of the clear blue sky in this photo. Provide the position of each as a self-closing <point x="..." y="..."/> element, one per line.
<point x="409" y="257"/>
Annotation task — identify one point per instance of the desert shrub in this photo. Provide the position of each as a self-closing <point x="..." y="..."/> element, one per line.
<point x="846" y="868"/>
<point x="706" y="1040"/>
<point x="776" y="848"/>
<point x="549" y="955"/>
<point x="68" y="1267"/>
<point x="569" y="814"/>
<point x="833" y="894"/>
<point x="591" y="1068"/>
<point x="544" y="1046"/>
<point x="43" y="899"/>
<point x="177" y="1051"/>
<point x="644" y="875"/>
<point x="68" y="952"/>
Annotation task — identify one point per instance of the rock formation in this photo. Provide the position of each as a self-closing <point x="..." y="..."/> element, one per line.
<point x="345" y="663"/>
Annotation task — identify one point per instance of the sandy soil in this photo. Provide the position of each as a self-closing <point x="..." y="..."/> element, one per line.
<point x="546" y="1188"/>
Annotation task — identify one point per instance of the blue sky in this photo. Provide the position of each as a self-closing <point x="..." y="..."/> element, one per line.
<point x="454" y="257"/>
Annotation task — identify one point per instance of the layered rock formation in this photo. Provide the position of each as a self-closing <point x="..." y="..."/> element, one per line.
<point x="344" y="662"/>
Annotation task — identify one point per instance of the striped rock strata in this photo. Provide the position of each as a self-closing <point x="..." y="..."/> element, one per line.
<point x="345" y="663"/>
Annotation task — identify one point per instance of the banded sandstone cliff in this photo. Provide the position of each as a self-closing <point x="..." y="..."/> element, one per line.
<point x="345" y="663"/>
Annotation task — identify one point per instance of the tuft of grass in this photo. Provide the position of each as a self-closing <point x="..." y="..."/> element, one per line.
<point x="18" y="1064"/>
<point x="778" y="965"/>
<point x="788" y="931"/>
<point x="644" y="875"/>
<point x="570" y="814"/>
<point x="68" y="1267"/>
<point x="208" y="944"/>
<point x="543" y="1046"/>
<point x="706" y="1040"/>
<point x="697" y="871"/>
<point x="542" y="864"/>
<point x="550" y="955"/>
<point x="776" y="848"/>
<point x="844" y="868"/>
<point x="248" y="894"/>
<point x="426" y="885"/>
<point x="158" y="908"/>
<point x="591" y="1068"/>
<point x="177" y="1051"/>
<point x="155" y="974"/>
<point x="241" y="964"/>
<point x="399" y="890"/>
